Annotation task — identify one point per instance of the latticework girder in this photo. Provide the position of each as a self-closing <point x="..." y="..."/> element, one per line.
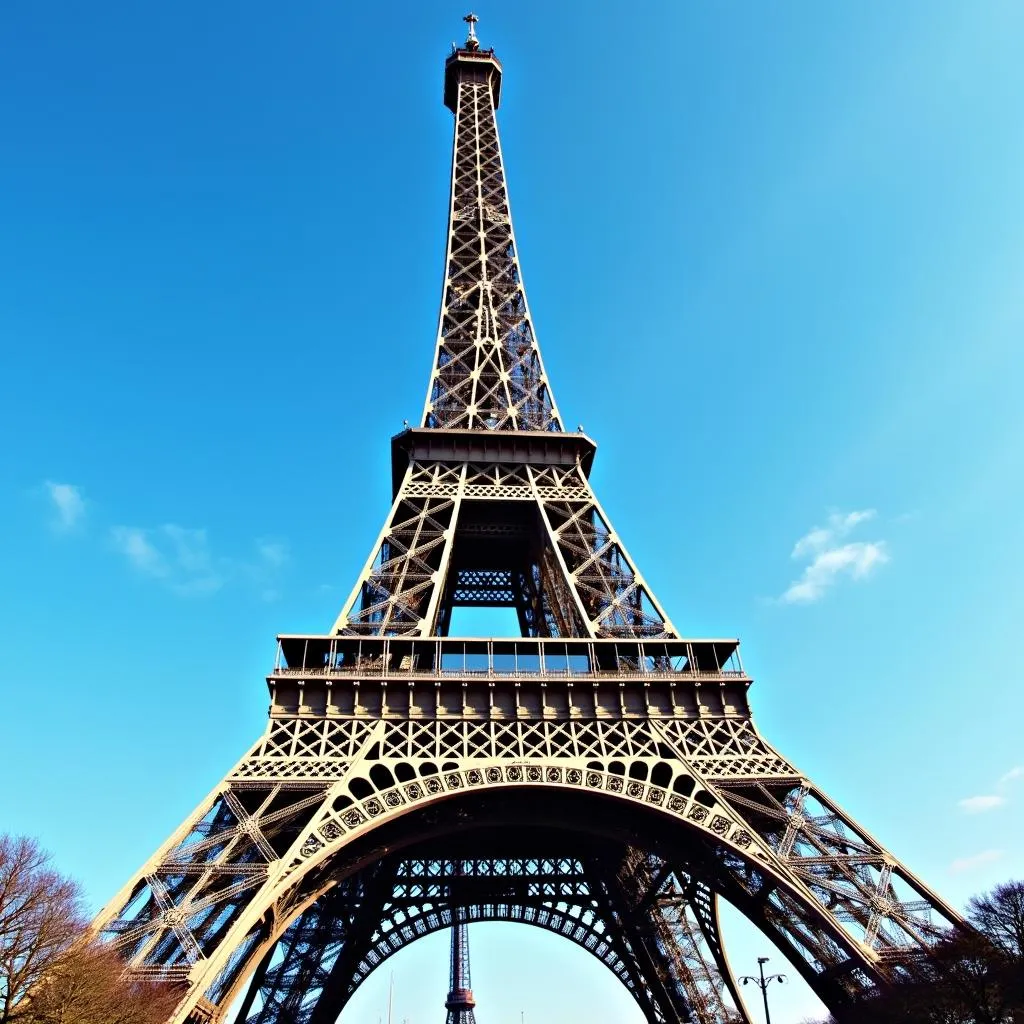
<point x="675" y="919"/>
<point x="539" y="533"/>
<point x="322" y="958"/>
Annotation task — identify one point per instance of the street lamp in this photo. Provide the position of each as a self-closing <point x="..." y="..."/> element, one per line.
<point x="762" y="983"/>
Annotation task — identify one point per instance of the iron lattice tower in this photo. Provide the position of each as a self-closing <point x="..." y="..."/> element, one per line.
<point x="460" y="1001"/>
<point x="599" y="775"/>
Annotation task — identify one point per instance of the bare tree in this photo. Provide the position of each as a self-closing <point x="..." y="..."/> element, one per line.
<point x="87" y="986"/>
<point x="999" y="914"/>
<point x="51" y="970"/>
<point x="40" y="918"/>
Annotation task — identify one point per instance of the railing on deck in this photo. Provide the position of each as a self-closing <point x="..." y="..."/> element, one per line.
<point x="343" y="656"/>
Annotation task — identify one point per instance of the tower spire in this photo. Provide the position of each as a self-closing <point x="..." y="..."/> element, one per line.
<point x="460" y="1001"/>
<point x="488" y="373"/>
<point x="472" y="43"/>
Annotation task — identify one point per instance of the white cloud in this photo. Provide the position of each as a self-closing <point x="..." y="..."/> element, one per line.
<point x="68" y="503"/>
<point x="134" y="544"/>
<point x="272" y="552"/>
<point x="856" y="558"/>
<point x="181" y="558"/>
<point x="822" y="537"/>
<point x="178" y="556"/>
<point x="962" y="864"/>
<point x="831" y="559"/>
<point x="990" y="801"/>
<point x="982" y="803"/>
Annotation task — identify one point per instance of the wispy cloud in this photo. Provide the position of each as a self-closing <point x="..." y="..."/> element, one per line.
<point x="176" y="555"/>
<point x="980" y="804"/>
<point x="181" y="558"/>
<point x="135" y="545"/>
<point x="822" y="537"/>
<point x="962" y="864"/>
<point x="991" y="801"/>
<point x="272" y="552"/>
<point x="68" y="504"/>
<point x="830" y="558"/>
<point x="263" y="571"/>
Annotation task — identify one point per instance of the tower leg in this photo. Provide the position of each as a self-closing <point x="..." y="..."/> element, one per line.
<point x="681" y="953"/>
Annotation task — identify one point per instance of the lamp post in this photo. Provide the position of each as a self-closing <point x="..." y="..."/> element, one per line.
<point x="762" y="983"/>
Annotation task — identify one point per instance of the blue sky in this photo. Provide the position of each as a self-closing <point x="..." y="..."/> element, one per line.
<point x="775" y="260"/>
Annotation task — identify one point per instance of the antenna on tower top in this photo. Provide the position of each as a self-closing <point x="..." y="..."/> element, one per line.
<point x="472" y="43"/>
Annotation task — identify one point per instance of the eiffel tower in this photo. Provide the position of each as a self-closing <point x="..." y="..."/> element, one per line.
<point x="460" y="1001"/>
<point x="598" y="775"/>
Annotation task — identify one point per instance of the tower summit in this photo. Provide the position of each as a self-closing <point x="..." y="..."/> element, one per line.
<point x="468" y="56"/>
<point x="595" y="774"/>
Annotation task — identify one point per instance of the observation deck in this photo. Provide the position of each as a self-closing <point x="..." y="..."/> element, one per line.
<point x="538" y="448"/>
<point x="470" y="64"/>
<point x="524" y="677"/>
